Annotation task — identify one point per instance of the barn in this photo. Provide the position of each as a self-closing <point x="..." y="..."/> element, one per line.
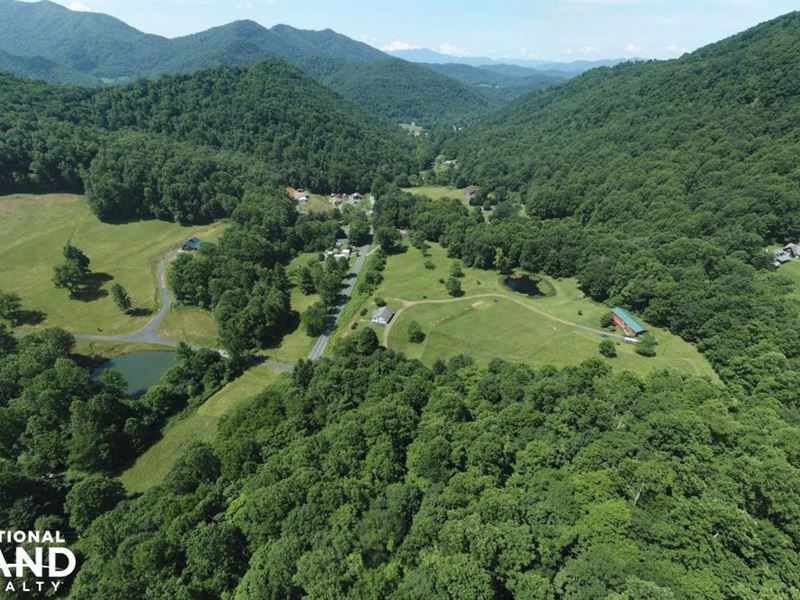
<point x="627" y="322"/>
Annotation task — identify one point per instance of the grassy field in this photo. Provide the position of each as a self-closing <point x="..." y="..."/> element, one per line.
<point x="198" y="426"/>
<point x="297" y="344"/>
<point x="35" y="228"/>
<point x="317" y="203"/>
<point x="190" y="325"/>
<point x="438" y="191"/>
<point x="792" y="271"/>
<point x="492" y="321"/>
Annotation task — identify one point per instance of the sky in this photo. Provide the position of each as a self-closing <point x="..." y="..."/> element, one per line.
<point x="560" y="30"/>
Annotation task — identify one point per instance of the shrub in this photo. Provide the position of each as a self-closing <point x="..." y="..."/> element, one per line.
<point x="415" y="333"/>
<point x="608" y="348"/>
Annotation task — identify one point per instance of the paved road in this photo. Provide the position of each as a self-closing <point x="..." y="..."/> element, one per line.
<point x="322" y="341"/>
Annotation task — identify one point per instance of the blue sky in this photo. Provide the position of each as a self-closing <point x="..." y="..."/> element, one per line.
<point x="551" y="30"/>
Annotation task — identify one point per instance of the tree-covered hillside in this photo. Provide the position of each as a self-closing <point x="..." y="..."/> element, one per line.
<point x="187" y="147"/>
<point x="370" y="476"/>
<point x="660" y="186"/>
<point x="709" y="135"/>
<point x="271" y="111"/>
<point x="403" y="92"/>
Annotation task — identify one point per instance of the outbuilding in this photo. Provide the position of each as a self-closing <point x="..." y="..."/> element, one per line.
<point x="627" y="322"/>
<point x="382" y="316"/>
<point x="192" y="244"/>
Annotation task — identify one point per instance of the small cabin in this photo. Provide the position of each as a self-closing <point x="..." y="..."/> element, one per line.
<point x="382" y="316"/>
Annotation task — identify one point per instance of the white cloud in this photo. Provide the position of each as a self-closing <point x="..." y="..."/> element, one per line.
<point x="245" y="6"/>
<point x="453" y="50"/>
<point x="399" y="45"/>
<point x="673" y="50"/>
<point x="633" y="48"/>
<point x="77" y="6"/>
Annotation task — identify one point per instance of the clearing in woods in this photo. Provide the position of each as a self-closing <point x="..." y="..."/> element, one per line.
<point x="34" y="230"/>
<point x="491" y="321"/>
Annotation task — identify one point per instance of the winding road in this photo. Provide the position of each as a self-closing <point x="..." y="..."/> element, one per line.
<point x="148" y="333"/>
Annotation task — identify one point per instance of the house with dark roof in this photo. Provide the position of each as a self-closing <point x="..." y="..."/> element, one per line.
<point x="627" y="322"/>
<point x="192" y="244"/>
<point x="382" y="316"/>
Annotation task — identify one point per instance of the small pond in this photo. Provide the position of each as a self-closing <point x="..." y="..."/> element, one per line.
<point x="141" y="370"/>
<point x="523" y="284"/>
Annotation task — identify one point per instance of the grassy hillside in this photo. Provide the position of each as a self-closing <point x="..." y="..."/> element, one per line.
<point x="199" y="425"/>
<point x="490" y="321"/>
<point x="35" y="228"/>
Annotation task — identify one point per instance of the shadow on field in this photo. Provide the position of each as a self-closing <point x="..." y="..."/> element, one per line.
<point x="27" y="317"/>
<point x="92" y="287"/>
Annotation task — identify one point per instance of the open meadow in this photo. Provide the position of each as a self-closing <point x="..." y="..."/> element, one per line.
<point x="35" y="228"/>
<point x="491" y="321"/>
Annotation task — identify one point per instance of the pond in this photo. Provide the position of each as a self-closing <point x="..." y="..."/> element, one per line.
<point x="141" y="370"/>
<point x="523" y="284"/>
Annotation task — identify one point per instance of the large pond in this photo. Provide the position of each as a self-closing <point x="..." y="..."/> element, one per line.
<point x="523" y="284"/>
<point x="141" y="370"/>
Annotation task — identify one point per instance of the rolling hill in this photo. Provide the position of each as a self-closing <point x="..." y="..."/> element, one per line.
<point x="188" y="147"/>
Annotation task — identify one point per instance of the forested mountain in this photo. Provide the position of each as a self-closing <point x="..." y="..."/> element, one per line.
<point x="659" y="185"/>
<point x="186" y="147"/>
<point x="271" y="111"/>
<point x="495" y="84"/>
<point x="572" y="68"/>
<point x="36" y="67"/>
<point x="88" y="48"/>
<point x="404" y="92"/>
<point x="91" y="43"/>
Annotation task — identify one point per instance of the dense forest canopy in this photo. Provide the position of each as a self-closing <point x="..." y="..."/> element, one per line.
<point x="370" y="476"/>
<point x="192" y="143"/>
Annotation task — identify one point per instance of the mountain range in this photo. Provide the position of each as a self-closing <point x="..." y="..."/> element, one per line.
<point x="572" y="68"/>
<point x="47" y="41"/>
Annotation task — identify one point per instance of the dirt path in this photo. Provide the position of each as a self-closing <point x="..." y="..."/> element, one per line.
<point x="406" y="304"/>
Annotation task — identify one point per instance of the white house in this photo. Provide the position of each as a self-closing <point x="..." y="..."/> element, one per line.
<point x="382" y="316"/>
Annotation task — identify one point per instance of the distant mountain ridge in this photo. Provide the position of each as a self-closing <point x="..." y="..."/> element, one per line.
<point x="92" y="49"/>
<point x="425" y="55"/>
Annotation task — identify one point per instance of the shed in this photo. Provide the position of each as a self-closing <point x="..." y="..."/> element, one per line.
<point x="382" y="316"/>
<point x="192" y="244"/>
<point x="627" y="322"/>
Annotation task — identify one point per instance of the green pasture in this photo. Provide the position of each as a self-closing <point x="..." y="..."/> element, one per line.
<point x="490" y="320"/>
<point x="198" y="426"/>
<point x="35" y="228"/>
